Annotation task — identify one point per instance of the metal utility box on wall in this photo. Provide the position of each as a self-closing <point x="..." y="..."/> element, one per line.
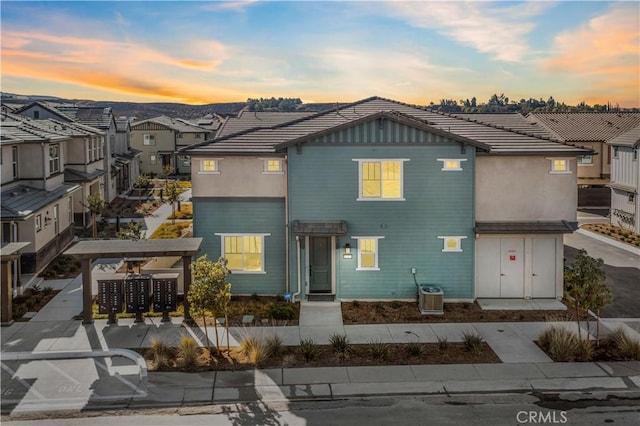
<point x="430" y="300"/>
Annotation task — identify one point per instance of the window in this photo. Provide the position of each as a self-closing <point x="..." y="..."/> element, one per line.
<point x="635" y="154"/>
<point x="273" y="165"/>
<point x="244" y="252"/>
<point x="186" y="161"/>
<point x="14" y="161"/>
<point x="209" y="166"/>
<point x="54" y="158"/>
<point x="148" y="139"/>
<point x="452" y="164"/>
<point x="560" y="165"/>
<point x="380" y="180"/>
<point x="367" y="253"/>
<point x="452" y="243"/>
<point x="38" y="223"/>
<point x="631" y="197"/>
<point x="36" y="115"/>
<point x="615" y="152"/>
<point x="153" y="160"/>
<point x="112" y="143"/>
<point x="585" y="159"/>
<point x="102" y="144"/>
<point x="96" y="155"/>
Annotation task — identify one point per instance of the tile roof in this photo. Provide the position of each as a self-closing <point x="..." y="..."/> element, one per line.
<point x="509" y="121"/>
<point x="71" y="175"/>
<point x="176" y="124"/>
<point x="20" y="202"/>
<point x="489" y="137"/>
<point x="585" y="126"/>
<point x="99" y="117"/>
<point x="247" y="120"/>
<point x="629" y="138"/>
<point x="17" y="129"/>
<point x="547" y="227"/>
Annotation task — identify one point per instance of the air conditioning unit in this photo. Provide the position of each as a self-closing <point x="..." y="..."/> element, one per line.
<point x="431" y="300"/>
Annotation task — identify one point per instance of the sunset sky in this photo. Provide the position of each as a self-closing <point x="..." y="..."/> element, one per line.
<point x="322" y="51"/>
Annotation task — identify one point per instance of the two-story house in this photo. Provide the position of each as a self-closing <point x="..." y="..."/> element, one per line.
<point x="37" y="204"/>
<point x="347" y="203"/>
<point x="159" y="139"/>
<point x="127" y="159"/>
<point x="593" y="130"/>
<point x="625" y="180"/>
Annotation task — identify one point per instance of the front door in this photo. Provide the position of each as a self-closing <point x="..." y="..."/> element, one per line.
<point x="544" y="267"/>
<point x="512" y="268"/>
<point x="320" y="265"/>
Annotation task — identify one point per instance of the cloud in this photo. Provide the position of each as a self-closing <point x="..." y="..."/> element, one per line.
<point x="496" y="30"/>
<point x="234" y="6"/>
<point x="605" y="51"/>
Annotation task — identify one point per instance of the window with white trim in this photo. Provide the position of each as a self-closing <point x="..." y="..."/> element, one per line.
<point x="244" y="252"/>
<point x="452" y="243"/>
<point x="209" y="166"/>
<point x="367" y="253"/>
<point x="54" y="158"/>
<point x="380" y="180"/>
<point x="560" y="165"/>
<point x="148" y="139"/>
<point x="585" y="159"/>
<point x="14" y="162"/>
<point x="38" y="220"/>
<point x="452" y="164"/>
<point x="272" y="165"/>
<point x="153" y="159"/>
<point x="635" y="154"/>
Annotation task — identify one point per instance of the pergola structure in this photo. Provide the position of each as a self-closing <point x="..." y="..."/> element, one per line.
<point x="89" y="250"/>
<point x="8" y="253"/>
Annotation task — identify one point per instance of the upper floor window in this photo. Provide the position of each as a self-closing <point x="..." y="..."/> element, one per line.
<point x="54" y="158"/>
<point x="380" y="180"/>
<point x="615" y="152"/>
<point x="635" y="154"/>
<point x="14" y="161"/>
<point x="631" y="197"/>
<point x="585" y="159"/>
<point x="209" y="166"/>
<point x="38" y="223"/>
<point x="452" y="164"/>
<point x="273" y="165"/>
<point x="560" y="165"/>
<point x="148" y="139"/>
<point x="36" y="115"/>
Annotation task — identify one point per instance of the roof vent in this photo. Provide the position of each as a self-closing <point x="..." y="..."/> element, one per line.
<point x="14" y="194"/>
<point x="25" y="189"/>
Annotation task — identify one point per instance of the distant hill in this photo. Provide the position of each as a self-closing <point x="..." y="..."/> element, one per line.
<point x="143" y="111"/>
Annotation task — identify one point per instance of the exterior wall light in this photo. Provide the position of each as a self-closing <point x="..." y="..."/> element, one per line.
<point x="347" y="251"/>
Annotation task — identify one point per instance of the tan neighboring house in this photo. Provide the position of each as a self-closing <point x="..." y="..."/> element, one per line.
<point x="592" y="130"/>
<point x="37" y="203"/>
<point x="625" y="180"/>
<point x="159" y="139"/>
<point x="126" y="159"/>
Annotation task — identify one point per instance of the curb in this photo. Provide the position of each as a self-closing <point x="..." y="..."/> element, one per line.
<point x="609" y="241"/>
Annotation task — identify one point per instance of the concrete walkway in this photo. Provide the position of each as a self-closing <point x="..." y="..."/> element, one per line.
<point x="160" y="215"/>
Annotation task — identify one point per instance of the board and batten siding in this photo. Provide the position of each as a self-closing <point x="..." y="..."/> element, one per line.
<point x="624" y="169"/>
<point x="245" y="215"/>
<point x="323" y="186"/>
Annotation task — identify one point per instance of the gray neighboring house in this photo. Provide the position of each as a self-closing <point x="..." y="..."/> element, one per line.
<point x="254" y="119"/>
<point x="37" y="203"/>
<point x="625" y="180"/>
<point x="126" y="159"/>
<point x="593" y="130"/>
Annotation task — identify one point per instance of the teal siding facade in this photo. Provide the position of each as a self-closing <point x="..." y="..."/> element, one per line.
<point x="323" y="186"/>
<point x="245" y="215"/>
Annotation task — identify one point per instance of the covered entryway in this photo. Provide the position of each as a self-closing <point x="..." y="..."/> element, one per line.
<point x="317" y="257"/>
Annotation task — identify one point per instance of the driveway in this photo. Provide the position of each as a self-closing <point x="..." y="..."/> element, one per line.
<point x="622" y="269"/>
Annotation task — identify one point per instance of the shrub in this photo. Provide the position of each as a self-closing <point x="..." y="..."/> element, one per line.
<point x="46" y="291"/>
<point x="339" y="343"/>
<point x="379" y="350"/>
<point x="584" y="351"/>
<point x="564" y="345"/>
<point x="413" y="349"/>
<point x="472" y="342"/>
<point x="282" y="311"/>
<point x="308" y="349"/>
<point x="355" y="304"/>
<point x="160" y="353"/>
<point x="443" y="344"/>
<point x="275" y="345"/>
<point x="627" y="347"/>
<point x="254" y="348"/>
<point x="188" y="352"/>
<point x="396" y="305"/>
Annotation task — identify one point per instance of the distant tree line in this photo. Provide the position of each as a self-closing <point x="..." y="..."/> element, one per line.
<point x="501" y="103"/>
<point x="273" y="104"/>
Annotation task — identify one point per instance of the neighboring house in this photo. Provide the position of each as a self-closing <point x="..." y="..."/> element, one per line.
<point x="127" y="159"/>
<point x="159" y="139"/>
<point x="593" y="130"/>
<point x="247" y="120"/>
<point x="37" y="204"/>
<point x="210" y="122"/>
<point x="625" y="180"/>
<point x="344" y="203"/>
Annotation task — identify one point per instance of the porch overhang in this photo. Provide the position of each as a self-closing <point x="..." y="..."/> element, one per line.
<point x="320" y="229"/>
<point x="545" y="227"/>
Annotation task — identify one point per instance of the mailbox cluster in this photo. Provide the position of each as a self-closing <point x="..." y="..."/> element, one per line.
<point x="135" y="293"/>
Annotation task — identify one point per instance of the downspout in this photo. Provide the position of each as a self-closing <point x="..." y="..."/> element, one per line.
<point x="15" y="273"/>
<point x="297" y="293"/>
<point x="44" y="168"/>
<point x="286" y="227"/>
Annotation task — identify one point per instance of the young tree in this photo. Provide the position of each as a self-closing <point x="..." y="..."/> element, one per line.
<point x="142" y="181"/>
<point x="599" y="296"/>
<point x="172" y="195"/>
<point x="131" y="231"/>
<point x="95" y="204"/>
<point x="581" y="278"/>
<point x="207" y="290"/>
<point x="167" y="171"/>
